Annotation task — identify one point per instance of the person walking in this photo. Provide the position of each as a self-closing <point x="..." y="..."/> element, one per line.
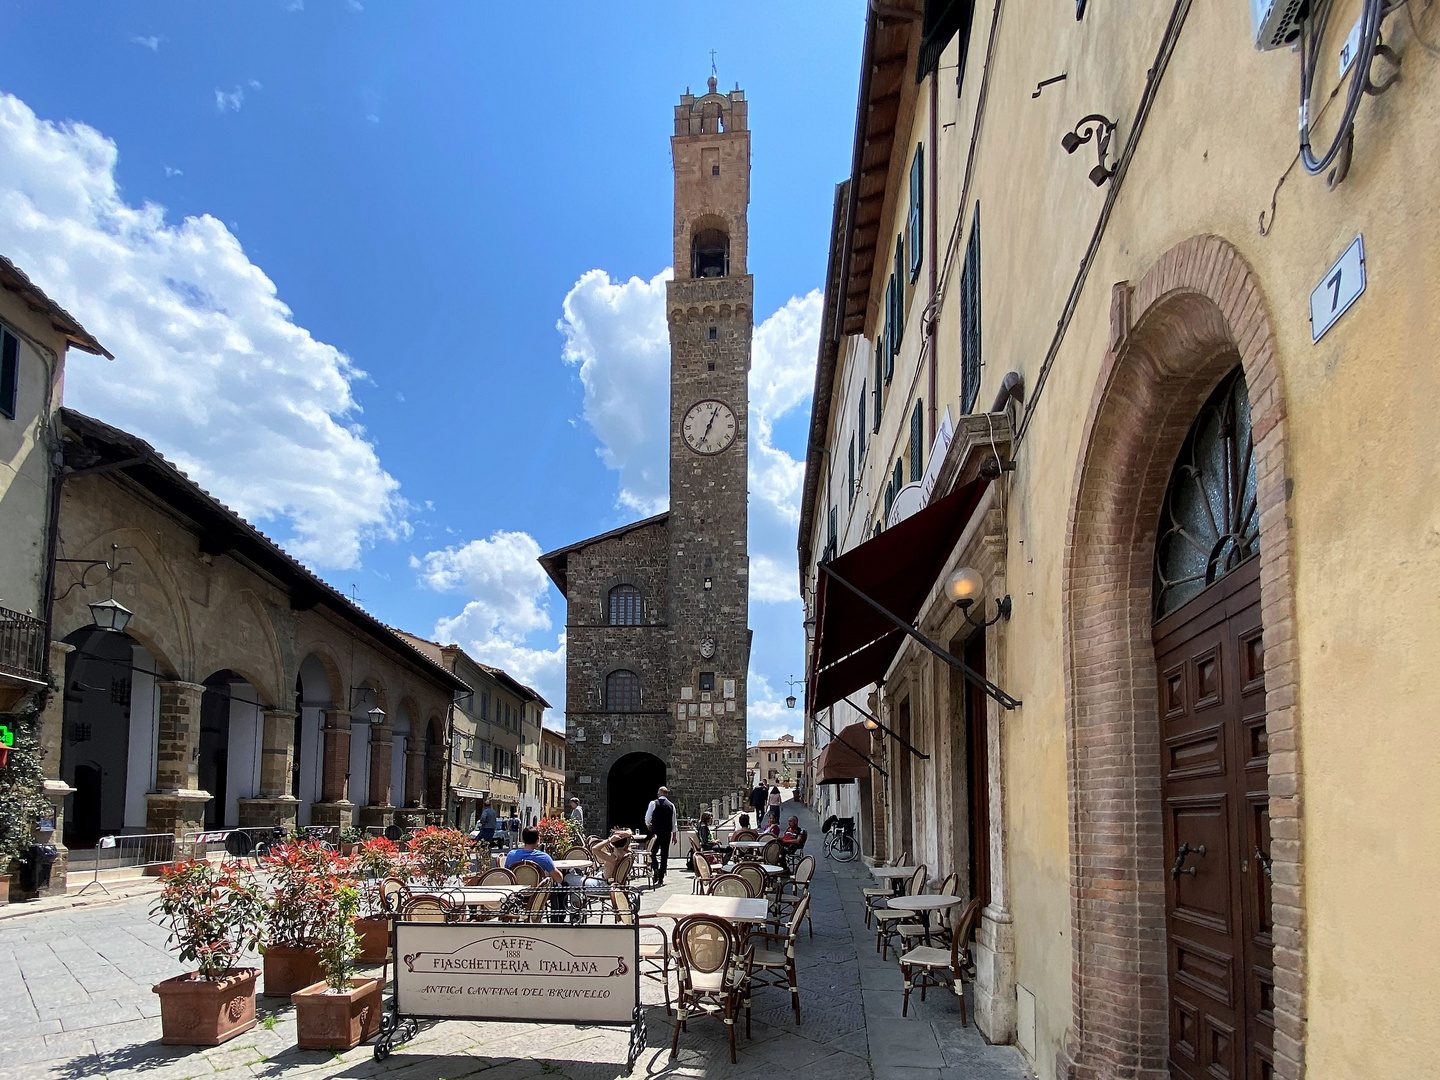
<point x="577" y="815"/>
<point x="660" y="819"/>
<point x="488" y="820"/>
<point x="774" y="802"/>
<point x="758" y="798"/>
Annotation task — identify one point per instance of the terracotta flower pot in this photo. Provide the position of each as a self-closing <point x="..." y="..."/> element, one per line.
<point x="327" y="1021"/>
<point x="4" y="888"/>
<point x="374" y="939"/>
<point x="289" y="968"/>
<point x="199" y="1012"/>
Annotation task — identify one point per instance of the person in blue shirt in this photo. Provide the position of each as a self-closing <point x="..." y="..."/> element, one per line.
<point x="528" y="852"/>
<point x="488" y="820"/>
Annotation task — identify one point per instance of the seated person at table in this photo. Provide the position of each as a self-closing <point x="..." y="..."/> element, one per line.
<point x="794" y="838"/>
<point x="773" y="829"/>
<point x="608" y="853"/>
<point x="529" y="852"/>
<point x="744" y="822"/>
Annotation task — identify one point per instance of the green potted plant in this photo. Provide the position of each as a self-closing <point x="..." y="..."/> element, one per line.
<point x="341" y="1011"/>
<point x="349" y="839"/>
<point x="214" y="915"/>
<point x="299" y="883"/>
<point x="556" y="837"/>
<point x="377" y="859"/>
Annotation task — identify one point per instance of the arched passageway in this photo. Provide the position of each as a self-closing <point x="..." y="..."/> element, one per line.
<point x="229" y="763"/>
<point x="633" y="782"/>
<point x="313" y="695"/>
<point x="434" y="765"/>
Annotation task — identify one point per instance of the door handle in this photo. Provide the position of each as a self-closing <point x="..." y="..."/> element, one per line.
<point x="1185" y="849"/>
<point x="1264" y="861"/>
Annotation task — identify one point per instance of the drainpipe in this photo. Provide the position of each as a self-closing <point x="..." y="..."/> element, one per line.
<point x="933" y="240"/>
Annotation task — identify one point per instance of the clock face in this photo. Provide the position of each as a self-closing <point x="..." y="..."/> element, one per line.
<point x="709" y="427"/>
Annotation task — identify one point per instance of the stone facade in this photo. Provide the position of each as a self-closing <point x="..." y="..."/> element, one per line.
<point x="691" y="645"/>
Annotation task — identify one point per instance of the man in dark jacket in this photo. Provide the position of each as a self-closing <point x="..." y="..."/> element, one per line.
<point x="660" y="819"/>
<point x="758" y="798"/>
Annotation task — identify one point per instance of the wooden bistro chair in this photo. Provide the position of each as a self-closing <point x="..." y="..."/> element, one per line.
<point x="732" y="885"/>
<point x="527" y="873"/>
<point x="791" y="892"/>
<point x="773" y="963"/>
<point x="752" y="873"/>
<point x="704" y="874"/>
<point x="773" y="853"/>
<point x="744" y="834"/>
<point x="887" y="919"/>
<point x="533" y="905"/>
<point x="654" y="955"/>
<point x="578" y="852"/>
<point x="876" y="893"/>
<point x="394" y="894"/>
<point x="713" y="974"/>
<point x="498" y="875"/>
<point x="925" y="965"/>
<point x="623" y="869"/>
<point x="426" y="908"/>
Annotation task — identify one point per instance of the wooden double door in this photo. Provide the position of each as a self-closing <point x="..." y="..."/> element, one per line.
<point x="1210" y="665"/>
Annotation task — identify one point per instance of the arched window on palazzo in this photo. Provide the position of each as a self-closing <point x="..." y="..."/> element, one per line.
<point x="1209" y="521"/>
<point x="625" y="606"/>
<point x="622" y="691"/>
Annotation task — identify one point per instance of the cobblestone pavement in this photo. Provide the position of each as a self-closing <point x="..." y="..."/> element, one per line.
<point x="75" y="1002"/>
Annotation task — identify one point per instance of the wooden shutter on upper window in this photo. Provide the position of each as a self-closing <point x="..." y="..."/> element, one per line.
<point x="850" y="487"/>
<point x="970" y="319"/>
<point x="917" y="443"/>
<point x="860" y="427"/>
<point x="878" y="391"/>
<point x="917" y="212"/>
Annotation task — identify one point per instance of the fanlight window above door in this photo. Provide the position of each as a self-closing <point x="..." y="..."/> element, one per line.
<point x="1209" y="521"/>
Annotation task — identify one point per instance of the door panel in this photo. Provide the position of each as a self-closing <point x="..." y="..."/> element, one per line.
<point x="1214" y="749"/>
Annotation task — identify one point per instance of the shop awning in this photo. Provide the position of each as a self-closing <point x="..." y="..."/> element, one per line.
<point x="855" y="643"/>
<point x="469" y="793"/>
<point x="845" y="757"/>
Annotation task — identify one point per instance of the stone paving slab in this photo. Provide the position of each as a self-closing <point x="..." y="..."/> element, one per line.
<point x="76" y="1002"/>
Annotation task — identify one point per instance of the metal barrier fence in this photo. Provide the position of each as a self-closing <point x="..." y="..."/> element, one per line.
<point x="122" y="852"/>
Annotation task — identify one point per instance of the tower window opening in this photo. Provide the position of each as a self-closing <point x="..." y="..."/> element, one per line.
<point x="710" y="365"/>
<point x="714" y="333"/>
<point x="710" y="254"/>
<point x="622" y="691"/>
<point x="714" y="170"/>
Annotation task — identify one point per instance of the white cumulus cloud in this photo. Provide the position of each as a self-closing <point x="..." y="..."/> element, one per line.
<point x="506" y="605"/>
<point x="231" y="101"/>
<point x="210" y="365"/>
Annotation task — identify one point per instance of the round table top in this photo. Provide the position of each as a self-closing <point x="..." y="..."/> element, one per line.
<point x="572" y="864"/>
<point x="888" y="872"/>
<point x="923" y="902"/>
<point x="749" y="845"/>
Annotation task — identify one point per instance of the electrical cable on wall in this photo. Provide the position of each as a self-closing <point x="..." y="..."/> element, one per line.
<point x="1312" y="32"/>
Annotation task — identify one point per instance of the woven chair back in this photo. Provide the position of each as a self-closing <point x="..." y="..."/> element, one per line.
<point x="426" y="909"/>
<point x="754" y="875"/>
<point x="804" y="870"/>
<point x="527" y="873"/>
<point x="497" y="875"/>
<point x="732" y="885"/>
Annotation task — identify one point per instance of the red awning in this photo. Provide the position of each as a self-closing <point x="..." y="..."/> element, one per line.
<point x="846" y="757"/>
<point x="854" y="643"/>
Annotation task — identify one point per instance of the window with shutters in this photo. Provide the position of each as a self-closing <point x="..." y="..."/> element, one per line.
<point x="9" y="373"/>
<point x="917" y="212"/>
<point x="889" y="347"/>
<point x="898" y="479"/>
<point x="879" y="376"/>
<point x="850" y="488"/>
<point x="889" y="499"/>
<point x="625" y="606"/>
<point x="832" y="543"/>
<point x="860" y="426"/>
<point x="917" y="444"/>
<point x="970" y="319"/>
<point x="622" y="691"/>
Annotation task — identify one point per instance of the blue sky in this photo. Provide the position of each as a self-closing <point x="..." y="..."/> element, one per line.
<point x="386" y="278"/>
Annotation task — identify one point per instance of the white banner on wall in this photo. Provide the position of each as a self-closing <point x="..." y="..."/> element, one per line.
<point x="486" y="971"/>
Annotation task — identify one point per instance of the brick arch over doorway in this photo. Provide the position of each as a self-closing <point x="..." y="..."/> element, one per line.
<point x="1196" y="313"/>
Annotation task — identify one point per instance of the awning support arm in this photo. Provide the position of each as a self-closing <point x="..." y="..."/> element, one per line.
<point x="876" y="720"/>
<point x="863" y="758"/>
<point x="959" y="665"/>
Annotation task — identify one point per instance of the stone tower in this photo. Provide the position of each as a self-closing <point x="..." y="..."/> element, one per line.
<point x="658" y="640"/>
<point x="709" y="304"/>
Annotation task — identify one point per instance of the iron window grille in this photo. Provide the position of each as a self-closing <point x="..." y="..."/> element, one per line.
<point x="622" y="691"/>
<point x="625" y="606"/>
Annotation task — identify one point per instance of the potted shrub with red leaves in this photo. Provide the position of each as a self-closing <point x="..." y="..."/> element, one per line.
<point x="439" y="854"/>
<point x="300" y="876"/>
<point x="378" y="859"/>
<point x="214" y="915"/>
<point x="342" y="1011"/>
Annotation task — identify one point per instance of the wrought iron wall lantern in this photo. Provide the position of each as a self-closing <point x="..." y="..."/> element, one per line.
<point x="376" y="715"/>
<point x="964" y="587"/>
<point x="790" y="698"/>
<point x="107" y="614"/>
<point x="1098" y="127"/>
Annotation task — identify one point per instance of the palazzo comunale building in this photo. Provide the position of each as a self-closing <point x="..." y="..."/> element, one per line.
<point x="1125" y="419"/>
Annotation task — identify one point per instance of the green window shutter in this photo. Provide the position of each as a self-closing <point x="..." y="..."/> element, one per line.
<point x="970" y="319"/>
<point x="917" y="446"/>
<point x="851" y="487"/>
<point x="892" y="343"/>
<point x="917" y="212"/>
<point x="879" y="400"/>
<point x="860" y="427"/>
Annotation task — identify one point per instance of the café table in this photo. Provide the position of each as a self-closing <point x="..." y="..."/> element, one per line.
<point x="923" y="904"/>
<point x="894" y="876"/>
<point x="736" y="909"/>
<point x="566" y="865"/>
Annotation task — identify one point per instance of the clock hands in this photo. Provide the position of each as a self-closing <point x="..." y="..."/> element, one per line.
<point x="706" y="433"/>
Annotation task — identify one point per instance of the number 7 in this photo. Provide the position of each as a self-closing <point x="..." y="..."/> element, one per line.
<point x="1334" y="284"/>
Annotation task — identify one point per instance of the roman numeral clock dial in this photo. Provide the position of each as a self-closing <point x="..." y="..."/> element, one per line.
<point x="709" y="427"/>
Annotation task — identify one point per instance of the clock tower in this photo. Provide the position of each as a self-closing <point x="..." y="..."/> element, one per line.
<point x="709" y="307"/>
<point x="657" y="624"/>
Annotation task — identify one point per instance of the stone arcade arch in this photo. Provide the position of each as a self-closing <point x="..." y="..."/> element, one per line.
<point x="1200" y="310"/>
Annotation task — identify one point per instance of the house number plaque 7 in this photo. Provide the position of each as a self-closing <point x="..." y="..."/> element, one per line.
<point x="1338" y="289"/>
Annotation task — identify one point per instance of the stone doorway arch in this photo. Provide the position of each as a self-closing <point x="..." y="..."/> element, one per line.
<point x="631" y="784"/>
<point x="1196" y="313"/>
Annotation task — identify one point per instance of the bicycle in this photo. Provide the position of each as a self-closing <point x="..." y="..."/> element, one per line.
<point x="840" y="842"/>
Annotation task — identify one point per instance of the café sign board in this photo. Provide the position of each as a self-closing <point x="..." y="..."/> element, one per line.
<point x="553" y="973"/>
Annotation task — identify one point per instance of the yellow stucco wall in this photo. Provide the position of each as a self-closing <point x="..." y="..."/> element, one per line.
<point x="1362" y="436"/>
